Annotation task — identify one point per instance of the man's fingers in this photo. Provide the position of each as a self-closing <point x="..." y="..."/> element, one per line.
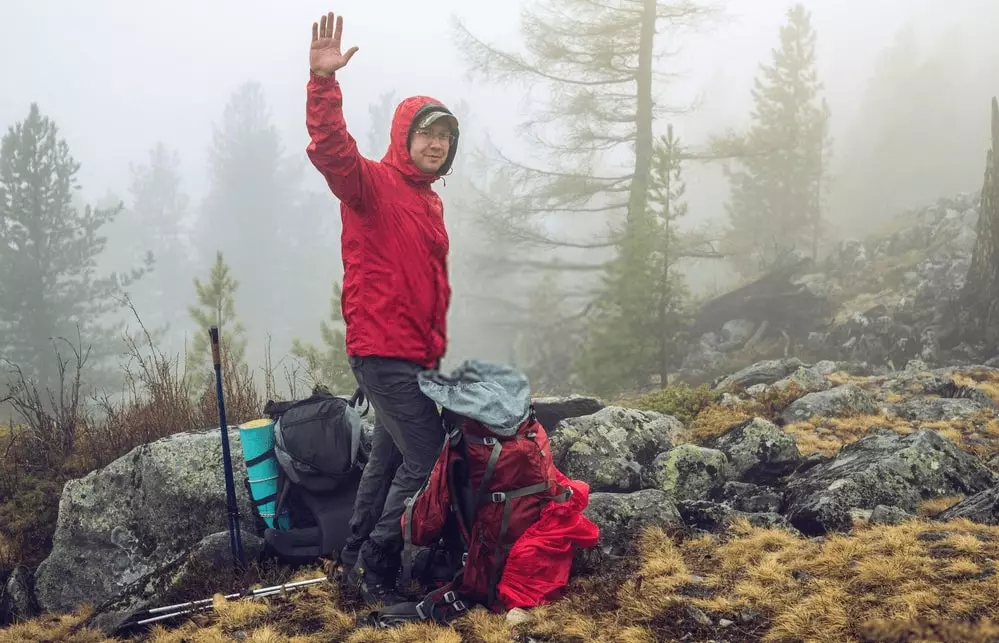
<point x="338" y="31"/>
<point x="315" y="31"/>
<point x="329" y="24"/>
<point x="350" y="54"/>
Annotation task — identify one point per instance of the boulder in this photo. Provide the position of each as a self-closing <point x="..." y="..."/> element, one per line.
<point x="611" y="449"/>
<point x="982" y="507"/>
<point x="759" y="452"/>
<point x="550" y="411"/>
<point x="17" y="597"/>
<point x="143" y="511"/>
<point x="883" y="515"/>
<point x="883" y="468"/>
<point x="933" y="409"/>
<point x="620" y="517"/>
<point x="847" y="399"/>
<point x="765" y="372"/>
<point x="805" y="380"/>
<point x="688" y="472"/>
<point x="209" y="558"/>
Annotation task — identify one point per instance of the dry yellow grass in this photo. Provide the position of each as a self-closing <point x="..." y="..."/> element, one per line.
<point x="915" y="581"/>
<point x="983" y="379"/>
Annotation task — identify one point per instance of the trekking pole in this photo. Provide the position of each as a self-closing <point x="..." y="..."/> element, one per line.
<point x="235" y="537"/>
<point x="157" y="613"/>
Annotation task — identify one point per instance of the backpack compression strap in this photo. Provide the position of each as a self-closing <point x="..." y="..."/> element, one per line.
<point x="358" y="398"/>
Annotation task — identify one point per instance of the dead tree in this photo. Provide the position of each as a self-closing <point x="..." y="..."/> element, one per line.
<point x="977" y="319"/>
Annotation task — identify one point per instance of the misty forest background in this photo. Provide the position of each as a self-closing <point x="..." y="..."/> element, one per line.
<point x="579" y="252"/>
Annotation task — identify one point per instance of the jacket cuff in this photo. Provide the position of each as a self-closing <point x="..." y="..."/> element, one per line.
<point x="322" y="81"/>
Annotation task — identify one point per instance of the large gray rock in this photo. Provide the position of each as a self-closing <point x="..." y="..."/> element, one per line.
<point x="211" y="558"/>
<point x="765" y="372"/>
<point x="119" y="524"/>
<point x="611" y="448"/>
<point x="17" y="597"/>
<point x="550" y="411"/>
<point x="689" y="472"/>
<point x="982" y="507"/>
<point x="933" y="409"/>
<point x="759" y="452"/>
<point x="621" y="517"/>
<point x="805" y="380"/>
<point x="847" y="399"/>
<point x="883" y="468"/>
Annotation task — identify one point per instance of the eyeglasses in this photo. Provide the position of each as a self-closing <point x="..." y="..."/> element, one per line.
<point x="442" y="137"/>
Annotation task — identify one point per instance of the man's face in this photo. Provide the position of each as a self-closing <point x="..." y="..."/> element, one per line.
<point x="430" y="145"/>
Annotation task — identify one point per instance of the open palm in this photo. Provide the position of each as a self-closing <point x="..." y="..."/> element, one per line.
<point x="325" y="56"/>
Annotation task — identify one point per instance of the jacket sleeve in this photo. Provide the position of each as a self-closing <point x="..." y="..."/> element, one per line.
<point x="331" y="147"/>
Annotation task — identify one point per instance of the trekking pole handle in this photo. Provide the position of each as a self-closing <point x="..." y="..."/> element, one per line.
<point x="213" y="333"/>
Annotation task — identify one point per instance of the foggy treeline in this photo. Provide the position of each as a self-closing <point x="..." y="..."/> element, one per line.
<point x="616" y="167"/>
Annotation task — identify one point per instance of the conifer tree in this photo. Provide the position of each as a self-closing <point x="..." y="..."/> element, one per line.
<point x="776" y="202"/>
<point x="594" y="70"/>
<point x="632" y="334"/>
<point x="216" y="306"/>
<point x="253" y="213"/>
<point x="49" y="248"/>
<point x="159" y="206"/>
<point x="597" y="72"/>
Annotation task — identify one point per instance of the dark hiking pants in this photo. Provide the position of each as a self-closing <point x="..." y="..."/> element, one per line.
<point x="408" y="437"/>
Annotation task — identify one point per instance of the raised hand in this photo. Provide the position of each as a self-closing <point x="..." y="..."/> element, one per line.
<point x="324" y="54"/>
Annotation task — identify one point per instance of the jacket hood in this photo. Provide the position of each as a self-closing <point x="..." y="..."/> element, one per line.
<point x="406" y="113"/>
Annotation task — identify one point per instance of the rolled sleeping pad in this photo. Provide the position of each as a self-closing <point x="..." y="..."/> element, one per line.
<point x="257" y="438"/>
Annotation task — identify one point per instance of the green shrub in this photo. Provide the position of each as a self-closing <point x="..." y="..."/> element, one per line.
<point x="681" y="401"/>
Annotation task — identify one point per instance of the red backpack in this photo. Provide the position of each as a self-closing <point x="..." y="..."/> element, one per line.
<point x="495" y="488"/>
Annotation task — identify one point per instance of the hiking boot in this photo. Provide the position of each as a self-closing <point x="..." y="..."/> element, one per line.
<point x="348" y="555"/>
<point x="374" y="580"/>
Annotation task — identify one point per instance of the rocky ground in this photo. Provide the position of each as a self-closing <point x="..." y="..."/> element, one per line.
<point x="792" y="501"/>
<point x="882" y="300"/>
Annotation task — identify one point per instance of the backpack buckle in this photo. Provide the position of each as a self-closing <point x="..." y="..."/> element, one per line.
<point x="459" y="606"/>
<point x="497" y="496"/>
<point x="450" y="597"/>
<point x="489" y="441"/>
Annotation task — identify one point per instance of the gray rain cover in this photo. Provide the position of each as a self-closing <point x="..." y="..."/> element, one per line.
<point x="496" y="395"/>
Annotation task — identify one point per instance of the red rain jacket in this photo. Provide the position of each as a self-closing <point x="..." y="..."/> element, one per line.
<point x="396" y="291"/>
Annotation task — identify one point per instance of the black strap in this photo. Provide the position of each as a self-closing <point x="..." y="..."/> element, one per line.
<point x="266" y="455"/>
<point x="444" y="604"/>
<point x="359" y="398"/>
<point x="284" y="486"/>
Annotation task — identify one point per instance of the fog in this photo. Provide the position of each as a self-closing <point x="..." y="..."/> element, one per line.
<point x="117" y="77"/>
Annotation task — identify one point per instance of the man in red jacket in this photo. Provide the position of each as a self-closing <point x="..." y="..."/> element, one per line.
<point x="395" y="295"/>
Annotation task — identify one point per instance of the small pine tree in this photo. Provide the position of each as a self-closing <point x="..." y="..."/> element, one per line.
<point x="775" y="208"/>
<point x="631" y="335"/>
<point x="328" y="366"/>
<point x="216" y="307"/>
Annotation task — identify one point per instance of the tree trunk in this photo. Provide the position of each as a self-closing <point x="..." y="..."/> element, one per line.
<point x="638" y="196"/>
<point x="978" y="323"/>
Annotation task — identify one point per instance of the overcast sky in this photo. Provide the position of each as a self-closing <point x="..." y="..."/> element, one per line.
<point x="117" y="75"/>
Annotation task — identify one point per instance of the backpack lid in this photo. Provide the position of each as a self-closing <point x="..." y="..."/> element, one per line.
<point x="319" y="436"/>
<point x="498" y="396"/>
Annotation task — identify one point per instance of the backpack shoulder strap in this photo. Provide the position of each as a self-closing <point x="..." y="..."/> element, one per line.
<point x="284" y="487"/>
